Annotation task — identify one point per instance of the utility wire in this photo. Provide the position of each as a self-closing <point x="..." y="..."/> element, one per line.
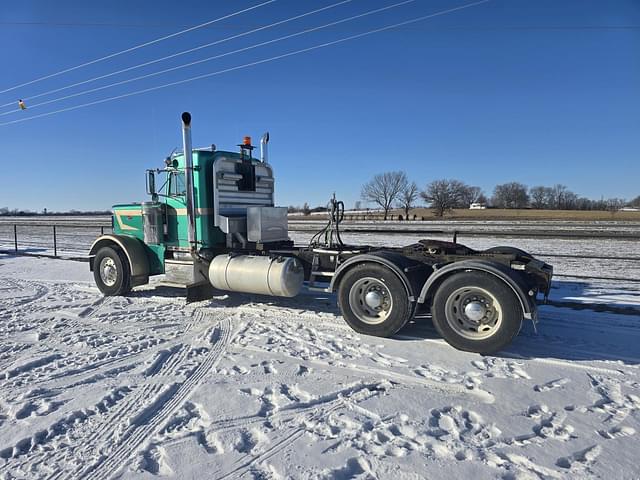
<point x="251" y="64"/>
<point x="146" y="44"/>
<point x="184" y="52"/>
<point x="215" y="57"/>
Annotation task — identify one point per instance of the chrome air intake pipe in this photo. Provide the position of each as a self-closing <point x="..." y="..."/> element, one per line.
<point x="264" y="157"/>
<point x="188" y="158"/>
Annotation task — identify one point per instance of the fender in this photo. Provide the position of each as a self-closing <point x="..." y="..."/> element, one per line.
<point x="132" y="248"/>
<point x="398" y="264"/>
<point x="498" y="270"/>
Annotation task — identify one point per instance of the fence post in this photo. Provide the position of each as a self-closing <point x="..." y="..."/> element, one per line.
<point x="15" y="237"/>
<point x="101" y="230"/>
<point x="55" y="242"/>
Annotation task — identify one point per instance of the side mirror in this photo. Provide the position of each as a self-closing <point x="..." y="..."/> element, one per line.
<point x="151" y="182"/>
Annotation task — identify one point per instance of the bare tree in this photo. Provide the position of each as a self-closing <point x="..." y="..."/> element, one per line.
<point x="470" y="195"/>
<point x="384" y="189"/>
<point x="408" y="198"/>
<point x="444" y="195"/>
<point x="635" y="202"/>
<point x="540" y="197"/>
<point x="583" y="203"/>
<point x="570" y="201"/>
<point x="558" y="193"/>
<point x="510" y="195"/>
<point x="615" y="204"/>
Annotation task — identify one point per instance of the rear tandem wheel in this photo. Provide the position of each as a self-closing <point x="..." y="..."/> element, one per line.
<point x="373" y="300"/>
<point x="476" y="312"/>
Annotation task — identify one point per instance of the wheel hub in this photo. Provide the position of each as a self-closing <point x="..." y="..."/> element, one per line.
<point x="108" y="271"/>
<point x="373" y="299"/>
<point x="475" y="311"/>
<point x="370" y="300"/>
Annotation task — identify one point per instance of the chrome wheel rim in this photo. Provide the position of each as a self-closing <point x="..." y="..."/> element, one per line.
<point x="108" y="271"/>
<point x="370" y="300"/>
<point x="473" y="313"/>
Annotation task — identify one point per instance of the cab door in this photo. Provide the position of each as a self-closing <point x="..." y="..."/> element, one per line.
<point x="176" y="205"/>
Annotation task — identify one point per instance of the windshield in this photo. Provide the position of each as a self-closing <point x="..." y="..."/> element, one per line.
<point x="177" y="184"/>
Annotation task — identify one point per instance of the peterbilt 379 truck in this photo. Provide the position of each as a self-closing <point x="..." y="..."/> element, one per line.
<point x="212" y="225"/>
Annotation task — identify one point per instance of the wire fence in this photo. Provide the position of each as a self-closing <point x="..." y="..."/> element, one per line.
<point x="72" y="240"/>
<point x="50" y="239"/>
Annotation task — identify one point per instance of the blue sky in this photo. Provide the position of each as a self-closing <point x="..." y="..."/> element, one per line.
<point x="536" y="91"/>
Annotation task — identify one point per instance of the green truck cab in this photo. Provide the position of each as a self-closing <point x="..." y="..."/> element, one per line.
<point x="183" y="222"/>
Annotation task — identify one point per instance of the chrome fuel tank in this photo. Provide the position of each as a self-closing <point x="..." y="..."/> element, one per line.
<point x="280" y="276"/>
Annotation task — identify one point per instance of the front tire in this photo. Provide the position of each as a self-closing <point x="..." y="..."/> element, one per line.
<point x="476" y="312"/>
<point x="111" y="272"/>
<point x="373" y="300"/>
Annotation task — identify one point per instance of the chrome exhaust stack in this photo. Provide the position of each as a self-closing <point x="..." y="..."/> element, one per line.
<point x="263" y="148"/>
<point x="188" y="158"/>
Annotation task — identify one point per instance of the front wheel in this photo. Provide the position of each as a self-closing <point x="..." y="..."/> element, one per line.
<point x="373" y="300"/>
<point x="111" y="272"/>
<point x="476" y="312"/>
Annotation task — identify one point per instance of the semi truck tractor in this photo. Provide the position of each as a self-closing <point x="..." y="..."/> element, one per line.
<point x="211" y="224"/>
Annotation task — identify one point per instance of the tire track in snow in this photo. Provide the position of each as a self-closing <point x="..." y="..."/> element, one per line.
<point x="71" y="364"/>
<point x="8" y="304"/>
<point x="149" y="422"/>
<point x="38" y="316"/>
<point x="68" y="366"/>
<point x="86" y="428"/>
<point x="106" y="432"/>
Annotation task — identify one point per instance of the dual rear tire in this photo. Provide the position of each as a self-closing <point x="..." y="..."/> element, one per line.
<point x="473" y="311"/>
<point x="476" y="312"/>
<point x="373" y="300"/>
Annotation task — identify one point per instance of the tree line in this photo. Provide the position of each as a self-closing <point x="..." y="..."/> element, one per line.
<point x="391" y="189"/>
<point x="16" y="212"/>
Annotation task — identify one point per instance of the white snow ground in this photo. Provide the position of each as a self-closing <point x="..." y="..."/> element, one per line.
<point x="245" y="386"/>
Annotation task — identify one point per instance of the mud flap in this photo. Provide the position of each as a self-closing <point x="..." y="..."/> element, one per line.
<point x="197" y="293"/>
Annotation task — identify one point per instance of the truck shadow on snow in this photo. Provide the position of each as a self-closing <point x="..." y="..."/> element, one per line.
<point x="562" y="334"/>
<point x="565" y="331"/>
<point x="577" y="334"/>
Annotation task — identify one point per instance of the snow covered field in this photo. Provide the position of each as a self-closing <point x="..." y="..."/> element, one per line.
<point x="244" y="386"/>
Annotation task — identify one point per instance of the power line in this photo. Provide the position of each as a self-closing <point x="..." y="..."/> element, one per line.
<point x="136" y="47"/>
<point x="215" y="57"/>
<point x="184" y="52"/>
<point x="251" y="64"/>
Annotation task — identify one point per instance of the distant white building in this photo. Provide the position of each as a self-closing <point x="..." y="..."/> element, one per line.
<point x="478" y="206"/>
<point x="630" y="209"/>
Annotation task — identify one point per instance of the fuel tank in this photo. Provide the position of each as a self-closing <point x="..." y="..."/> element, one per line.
<point x="279" y="276"/>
